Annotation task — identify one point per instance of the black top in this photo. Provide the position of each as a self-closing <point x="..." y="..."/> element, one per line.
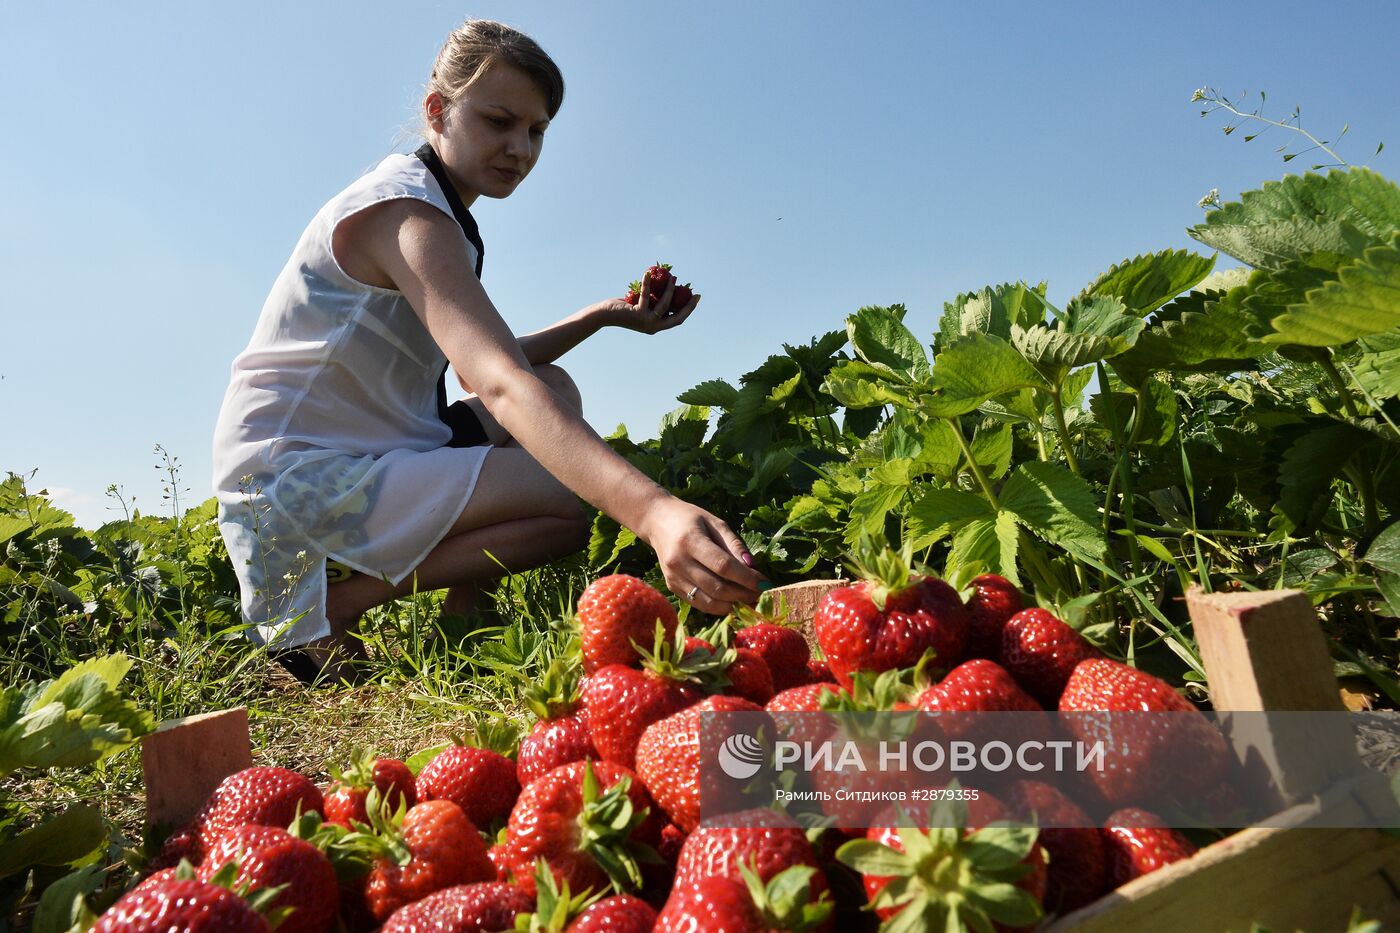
<point x="467" y="222"/>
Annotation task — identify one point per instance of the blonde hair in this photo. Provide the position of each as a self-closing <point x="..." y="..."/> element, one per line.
<point x="479" y="43"/>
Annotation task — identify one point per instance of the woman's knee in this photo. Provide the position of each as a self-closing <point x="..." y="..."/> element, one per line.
<point x="559" y="380"/>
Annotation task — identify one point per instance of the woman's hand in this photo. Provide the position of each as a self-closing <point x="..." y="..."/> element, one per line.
<point x="704" y="562"/>
<point x="650" y="315"/>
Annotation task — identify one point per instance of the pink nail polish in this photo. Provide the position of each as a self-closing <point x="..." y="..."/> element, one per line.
<point x="747" y="559"/>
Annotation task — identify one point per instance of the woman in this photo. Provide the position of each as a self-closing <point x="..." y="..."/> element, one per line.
<point x="334" y="449"/>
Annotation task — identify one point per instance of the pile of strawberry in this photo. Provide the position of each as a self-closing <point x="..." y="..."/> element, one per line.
<point x="591" y="821"/>
<point x="657" y="279"/>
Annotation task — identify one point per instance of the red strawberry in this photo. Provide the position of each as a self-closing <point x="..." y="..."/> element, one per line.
<point x="1137" y="842"/>
<point x="180" y="905"/>
<point x="672" y="840"/>
<point x="591" y="821"/>
<point x="739" y="672"/>
<point x="681" y="297"/>
<point x="668" y="758"/>
<point x="615" y="612"/>
<point x="1155" y="729"/>
<point x="561" y="735"/>
<point x="782" y="648"/>
<point x="722" y="904"/>
<point x="634" y="293"/>
<point x="819" y="672"/>
<point x="265" y="796"/>
<point x="889" y="619"/>
<point x="482" y="782"/>
<point x="469" y="908"/>
<point x="1040" y="651"/>
<point x="994" y="600"/>
<point x="982" y="686"/>
<point x="268" y="857"/>
<point x="1078" y="868"/>
<point x="551" y="743"/>
<point x="621" y="701"/>
<point x="764" y="840"/>
<point x="657" y="279"/>
<point x="621" y="913"/>
<point x="797" y="713"/>
<point x="345" y="799"/>
<point x="438" y="848"/>
<point x="978" y="685"/>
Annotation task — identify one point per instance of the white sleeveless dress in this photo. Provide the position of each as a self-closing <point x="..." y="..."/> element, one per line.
<point x="329" y="443"/>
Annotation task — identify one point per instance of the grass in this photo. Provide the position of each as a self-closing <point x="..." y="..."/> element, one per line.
<point x="152" y="589"/>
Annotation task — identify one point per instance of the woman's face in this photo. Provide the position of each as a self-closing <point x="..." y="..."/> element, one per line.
<point x="490" y="137"/>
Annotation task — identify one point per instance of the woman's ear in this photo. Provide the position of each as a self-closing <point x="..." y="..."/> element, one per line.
<point x="434" y="108"/>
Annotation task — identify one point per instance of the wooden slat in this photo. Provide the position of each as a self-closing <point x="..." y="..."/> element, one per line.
<point x="1265" y="651"/>
<point x="185" y="759"/>
<point x="1286" y="879"/>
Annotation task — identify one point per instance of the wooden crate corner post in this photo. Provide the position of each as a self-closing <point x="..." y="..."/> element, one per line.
<point x="185" y="759"/>
<point x="1265" y="652"/>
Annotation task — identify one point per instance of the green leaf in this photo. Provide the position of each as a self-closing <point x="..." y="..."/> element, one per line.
<point x="992" y="311"/>
<point x="941" y="512"/>
<point x="859" y="385"/>
<point x="1145" y="283"/>
<point x="1093" y="329"/>
<point x="77" y="719"/>
<point x="1006" y="903"/>
<point x="991" y="446"/>
<point x="978" y="367"/>
<point x="880" y="338"/>
<point x="870" y="507"/>
<point x="1158" y="412"/>
<point x="62" y="840"/>
<point x="995" y="848"/>
<point x="63" y="907"/>
<point x="872" y="858"/>
<point x="714" y="393"/>
<point x="1056" y="505"/>
<point x="940" y="451"/>
<point x="990" y="543"/>
<point x="1384" y="552"/>
<point x="1364" y="300"/>
<point x="1308" y="467"/>
<point x="418" y="760"/>
<point x="1378" y="369"/>
<point x="1201" y="331"/>
<point x="1340" y="213"/>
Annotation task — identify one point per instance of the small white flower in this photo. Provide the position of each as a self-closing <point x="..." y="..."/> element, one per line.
<point x="1199" y="95"/>
<point x="1212" y="199"/>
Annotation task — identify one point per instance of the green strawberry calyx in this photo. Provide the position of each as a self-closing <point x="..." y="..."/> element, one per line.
<point x="885" y="572"/>
<point x="606" y="823"/>
<point x="556" y="693"/>
<point x="670" y="660"/>
<point x="945" y="879"/>
<point x="785" y="902"/>
<point x="555" y="906"/>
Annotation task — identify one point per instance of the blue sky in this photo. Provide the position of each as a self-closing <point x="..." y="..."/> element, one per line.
<point x="794" y="160"/>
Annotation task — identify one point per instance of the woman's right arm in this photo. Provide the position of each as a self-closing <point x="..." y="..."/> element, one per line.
<point x="423" y="253"/>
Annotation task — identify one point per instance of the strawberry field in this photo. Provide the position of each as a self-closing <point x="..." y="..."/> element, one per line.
<point x="1067" y="473"/>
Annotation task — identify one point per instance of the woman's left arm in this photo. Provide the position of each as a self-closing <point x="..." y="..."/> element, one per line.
<point x="647" y="316"/>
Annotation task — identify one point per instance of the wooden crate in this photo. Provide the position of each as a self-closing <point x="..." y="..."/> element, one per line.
<point x="1262" y="651"/>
